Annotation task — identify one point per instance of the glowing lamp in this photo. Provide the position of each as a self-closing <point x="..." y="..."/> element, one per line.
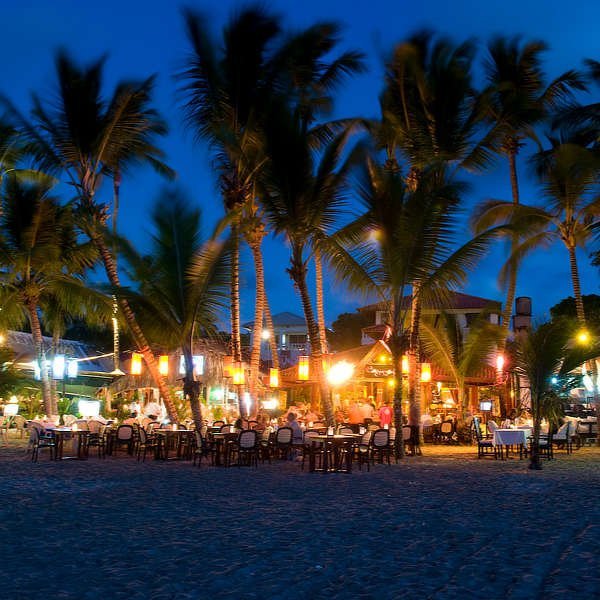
<point x="425" y="372"/>
<point x="583" y="337"/>
<point x="303" y="368"/>
<point x="239" y="374"/>
<point x="72" y="369"/>
<point x="500" y="362"/>
<point x="404" y="364"/>
<point x="163" y="365"/>
<point x="136" y="363"/>
<point x="340" y="373"/>
<point x="270" y="404"/>
<point x="391" y="382"/>
<point x="58" y="366"/>
<point x="266" y="334"/>
<point x="274" y="378"/>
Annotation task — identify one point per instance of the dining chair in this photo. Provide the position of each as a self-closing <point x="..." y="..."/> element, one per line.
<point x="40" y="442"/>
<point x="380" y="446"/>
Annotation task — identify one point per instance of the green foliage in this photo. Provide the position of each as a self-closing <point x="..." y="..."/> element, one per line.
<point x="591" y="306"/>
<point x="346" y="330"/>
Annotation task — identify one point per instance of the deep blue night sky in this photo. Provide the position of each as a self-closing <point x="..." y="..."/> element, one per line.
<point x="145" y="37"/>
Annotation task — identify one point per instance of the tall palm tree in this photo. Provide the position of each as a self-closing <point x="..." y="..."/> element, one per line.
<point x="86" y="136"/>
<point x="225" y="87"/>
<point x="431" y="115"/>
<point x="407" y="233"/>
<point x="42" y="263"/>
<point x="516" y="100"/>
<point x="182" y="285"/>
<point x="302" y="197"/>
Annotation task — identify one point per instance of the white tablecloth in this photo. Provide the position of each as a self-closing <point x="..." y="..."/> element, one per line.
<point x="510" y="437"/>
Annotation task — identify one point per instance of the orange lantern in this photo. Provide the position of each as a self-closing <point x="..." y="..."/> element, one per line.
<point x="425" y="372"/>
<point x="239" y="374"/>
<point x="136" y="363"/>
<point x="303" y="368"/>
<point x="274" y="378"/>
<point x="163" y="365"/>
<point x="404" y="364"/>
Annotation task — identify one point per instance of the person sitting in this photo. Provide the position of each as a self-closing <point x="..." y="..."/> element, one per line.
<point x="297" y="434"/>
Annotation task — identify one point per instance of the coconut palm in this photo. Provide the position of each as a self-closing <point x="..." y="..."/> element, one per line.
<point x="302" y="195"/>
<point x="182" y="285"/>
<point x="517" y="99"/>
<point x="86" y="136"/>
<point x="42" y="263"/>
<point x="405" y="234"/>
<point x="431" y="115"/>
<point x="457" y="354"/>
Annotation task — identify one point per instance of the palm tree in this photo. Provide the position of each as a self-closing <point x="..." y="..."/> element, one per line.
<point x="182" y="285"/>
<point x="542" y="353"/>
<point x="302" y="199"/>
<point x="458" y="355"/>
<point x="86" y="136"/>
<point x="42" y="263"/>
<point x="516" y="100"/>
<point x="225" y="91"/>
<point x="407" y="233"/>
<point x="431" y="115"/>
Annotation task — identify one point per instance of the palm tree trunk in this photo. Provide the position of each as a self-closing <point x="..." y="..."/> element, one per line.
<point x="298" y="273"/>
<point x="259" y="310"/>
<point x="535" y="443"/>
<point x="236" y="341"/>
<point x="272" y="340"/>
<point x="512" y="281"/>
<point x="136" y="332"/>
<point x="396" y="350"/>
<point x="191" y="388"/>
<point x="320" y="304"/>
<point x="38" y="343"/>
<point x="576" y="285"/>
<point x="414" y="371"/>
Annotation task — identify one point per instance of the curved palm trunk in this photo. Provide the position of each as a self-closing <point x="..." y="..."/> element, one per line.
<point x="298" y="273"/>
<point x="320" y="304"/>
<point x="414" y="371"/>
<point x="38" y="343"/>
<point x="236" y="341"/>
<point x="138" y="335"/>
<point x="272" y="340"/>
<point x="259" y="310"/>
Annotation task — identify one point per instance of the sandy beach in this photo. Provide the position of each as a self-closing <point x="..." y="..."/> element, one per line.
<point x="444" y="525"/>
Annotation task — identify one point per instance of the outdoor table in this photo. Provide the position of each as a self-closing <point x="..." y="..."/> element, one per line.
<point x="220" y="439"/>
<point x="168" y="438"/>
<point x="80" y="441"/>
<point x="337" y="441"/>
<point x="505" y="438"/>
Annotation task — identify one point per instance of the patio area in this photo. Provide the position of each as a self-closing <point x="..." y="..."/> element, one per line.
<point x="443" y="525"/>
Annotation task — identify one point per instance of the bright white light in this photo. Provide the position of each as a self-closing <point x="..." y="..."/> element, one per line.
<point x="340" y="372"/>
<point x="72" y="369"/>
<point x="198" y="361"/>
<point x="58" y="366"/>
<point x="265" y="334"/>
<point x="37" y="372"/>
<point x="10" y="410"/>
<point x="89" y="408"/>
<point x="270" y="404"/>
<point x="247" y="402"/>
<point x="554" y="380"/>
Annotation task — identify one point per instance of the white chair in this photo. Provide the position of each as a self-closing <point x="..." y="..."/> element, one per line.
<point x="564" y="437"/>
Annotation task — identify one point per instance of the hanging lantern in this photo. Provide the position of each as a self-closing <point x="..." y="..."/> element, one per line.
<point x="404" y="364"/>
<point x="136" y="363"/>
<point x="425" y="372"/>
<point x="239" y="374"/>
<point x="228" y="366"/>
<point x="163" y="365"/>
<point x="274" y="378"/>
<point x="303" y="368"/>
